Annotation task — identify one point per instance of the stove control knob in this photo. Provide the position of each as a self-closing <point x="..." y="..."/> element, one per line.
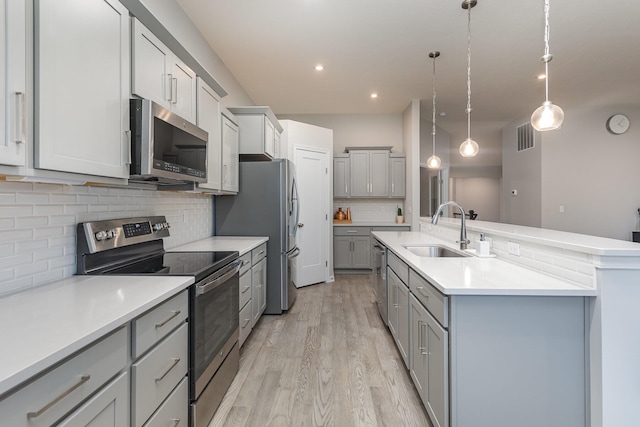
<point x="157" y="227"/>
<point x="101" y="235"/>
<point x="111" y="234"/>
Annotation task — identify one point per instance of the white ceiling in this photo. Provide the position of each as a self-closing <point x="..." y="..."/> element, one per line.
<point x="271" y="47"/>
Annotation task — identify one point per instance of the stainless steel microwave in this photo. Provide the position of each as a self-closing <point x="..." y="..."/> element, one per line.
<point x="165" y="148"/>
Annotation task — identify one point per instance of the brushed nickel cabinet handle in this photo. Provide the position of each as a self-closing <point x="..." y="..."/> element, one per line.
<point x="176" y="360"/>
<point x="174" y="90"/>
<point x="246" y="322"/>
<point x="420" y="345"/>
<point x="169" y="88"/>
<point x="424" y="349"/>
<point x="36" y="414"/>
<point x="20" y="125"/>
<point x="168" y="319"/>
<point x="246" y="288"/>
<point x="176" y="421"/>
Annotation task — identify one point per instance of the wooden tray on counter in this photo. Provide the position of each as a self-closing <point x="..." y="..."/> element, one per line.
<point x="342" y="221"/>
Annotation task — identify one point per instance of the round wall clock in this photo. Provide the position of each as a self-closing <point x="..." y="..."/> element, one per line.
<point x="618" y="124"/>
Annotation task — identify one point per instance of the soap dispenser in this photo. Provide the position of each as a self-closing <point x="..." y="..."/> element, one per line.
<point x="483" y="247"/>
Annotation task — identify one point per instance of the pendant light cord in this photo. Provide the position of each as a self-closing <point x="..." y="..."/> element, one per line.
<point x="469" y="71"/>
<point x="433" y="129"/>
<point x="547" y="56"/>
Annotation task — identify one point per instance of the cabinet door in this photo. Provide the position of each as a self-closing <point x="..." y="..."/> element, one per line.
<point x="12" y="78"/>
<point x="183" y="90"/>
<point x="269" y="137"/>
<point x="108" y="407"/>
<point x="82" y="75"/>
<point x="340" y="177"/>
<point x="361" y="256"/>
<point x="359" y="173"/>
<point x="378" y="173"/>
<point x="151" y="66"/>
<point x="209" y="120"/>
<point x="258" y="290"/>
<point x="230" y="158"/>
<point x="402" y="339"/>
<point x="437" y="395"/>
<point x="393" y="283"/>
<point x="398" y="179"/>
<point x="418" y="347"/>
<point x="341" y="252"/>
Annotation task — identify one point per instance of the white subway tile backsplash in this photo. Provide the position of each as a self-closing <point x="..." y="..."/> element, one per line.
<point x="370" y="210"/>
<point x="38" y="224"/>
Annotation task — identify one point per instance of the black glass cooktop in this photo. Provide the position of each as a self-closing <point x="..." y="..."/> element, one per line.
<point x="198" y="264"/>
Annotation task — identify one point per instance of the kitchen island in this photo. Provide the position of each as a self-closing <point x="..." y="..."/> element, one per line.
<point x="518" y="338"/>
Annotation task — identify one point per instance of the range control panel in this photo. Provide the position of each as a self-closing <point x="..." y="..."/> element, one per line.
<point x="111" y="234"/>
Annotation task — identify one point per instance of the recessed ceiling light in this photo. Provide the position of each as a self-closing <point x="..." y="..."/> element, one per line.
<point x="319" y="67"/>
<point x="542" y="76"/>
<point x="374" y="95"/>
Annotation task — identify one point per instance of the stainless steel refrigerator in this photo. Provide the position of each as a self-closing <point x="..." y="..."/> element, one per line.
<point x="267" y="204"/>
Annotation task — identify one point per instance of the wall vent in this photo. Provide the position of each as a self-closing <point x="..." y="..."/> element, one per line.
<point x="525" y="137"/>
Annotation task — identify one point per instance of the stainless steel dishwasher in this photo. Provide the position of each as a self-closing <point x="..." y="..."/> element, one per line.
<point x="379" y="277"/>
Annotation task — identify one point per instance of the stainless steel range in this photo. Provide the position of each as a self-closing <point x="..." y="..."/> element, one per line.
<point x="134" y="246"/>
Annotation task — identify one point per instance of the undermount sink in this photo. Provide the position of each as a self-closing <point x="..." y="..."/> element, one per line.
<point x="433" y="251"/>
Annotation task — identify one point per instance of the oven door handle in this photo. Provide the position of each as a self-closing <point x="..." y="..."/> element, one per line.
<point x="225" y="274"/>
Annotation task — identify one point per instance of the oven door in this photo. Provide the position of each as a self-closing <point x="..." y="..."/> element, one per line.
<point x="214" y="324"/>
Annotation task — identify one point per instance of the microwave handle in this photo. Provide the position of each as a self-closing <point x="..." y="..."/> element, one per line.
<point x="169" y="88"/>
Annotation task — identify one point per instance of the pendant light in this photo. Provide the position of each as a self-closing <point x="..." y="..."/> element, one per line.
<point x="469" y="147"/>
<point x="548" y="116"/>
<point x="434" y="162"/>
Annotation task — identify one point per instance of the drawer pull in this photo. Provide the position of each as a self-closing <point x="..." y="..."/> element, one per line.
<point x="421" y="289"/>
<point x="246" y="322"/>
<point x="261" y="252"/>
<point x="173" y="315"/>
<point x="246" y="288"/>
<point x="173" y="365"/>
<point x="83" y="379"/>
<point x="352" y="231"/>
<point x="176" y="421"/>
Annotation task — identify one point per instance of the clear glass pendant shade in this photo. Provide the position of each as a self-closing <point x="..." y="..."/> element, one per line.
<point x="547" y="117"/>
<point x="469" y="148"/>
<point x="434" y="162"/>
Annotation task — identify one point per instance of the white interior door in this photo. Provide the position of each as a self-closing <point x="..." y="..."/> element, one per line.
<point x="312" y="173"/>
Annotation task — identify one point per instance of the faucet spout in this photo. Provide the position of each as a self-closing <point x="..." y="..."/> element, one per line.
<point x="463" y="224"/>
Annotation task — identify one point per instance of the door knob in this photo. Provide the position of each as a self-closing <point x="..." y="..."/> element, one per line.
<point x="300" y="225"/>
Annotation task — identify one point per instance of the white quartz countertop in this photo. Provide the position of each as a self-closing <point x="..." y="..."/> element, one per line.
<point x="42" y="326"/>
<point x="474" y="275"/>
<point x="242" y="244"/>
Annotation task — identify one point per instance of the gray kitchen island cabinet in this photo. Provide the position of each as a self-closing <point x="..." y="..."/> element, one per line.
<point x="369" y="173"/>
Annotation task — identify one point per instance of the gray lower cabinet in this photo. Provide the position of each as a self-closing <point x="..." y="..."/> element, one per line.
<point x="352" y="247"/>
<point x="258" y="290"/>
<point x="253" y="290"/>
<point x="398" y="312"/>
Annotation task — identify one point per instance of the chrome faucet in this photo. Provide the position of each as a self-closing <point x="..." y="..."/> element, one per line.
<point x="463" y="225"/>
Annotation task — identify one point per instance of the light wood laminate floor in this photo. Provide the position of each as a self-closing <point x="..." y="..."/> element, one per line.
<point x="329" y="361"/>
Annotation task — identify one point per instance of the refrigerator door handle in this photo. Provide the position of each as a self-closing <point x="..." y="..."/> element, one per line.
<point x="293" y="253"/>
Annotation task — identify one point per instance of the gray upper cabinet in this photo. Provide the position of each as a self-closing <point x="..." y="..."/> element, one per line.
<point x="369" y="171"/>
<point x="209" y="120"/>
<point x="259" y="132"/>
<point x="82" y="75"/>
<point x="159" y="75"/>
<point x="397" y="185"/>
<point x="230" y="158"/>
<point x="341" y="176"/>
<point x="12" y="77"/>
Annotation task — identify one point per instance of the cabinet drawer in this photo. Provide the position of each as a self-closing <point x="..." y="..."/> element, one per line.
<point x="436" y="303"/>
<point x="245" y="289"/>
<point x="351" y="231"/>
<point x="109" y="406"/>
<point x="51" y="396"/>
<point x="151" y="327"/>
<point x="246" y="263"/>
<point x="245" y="323"/>
<point x="258" y="253"/>
<point x="398" y="266"/>
<point x="174" y="411"/>
<point x="157" y="373"/>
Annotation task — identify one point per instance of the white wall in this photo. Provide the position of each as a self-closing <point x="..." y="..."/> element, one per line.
<point x="38" y="224"/>
<point x="480" y="194"/>
<point x="357" y="130"/>
<point x="595" y="175"/>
